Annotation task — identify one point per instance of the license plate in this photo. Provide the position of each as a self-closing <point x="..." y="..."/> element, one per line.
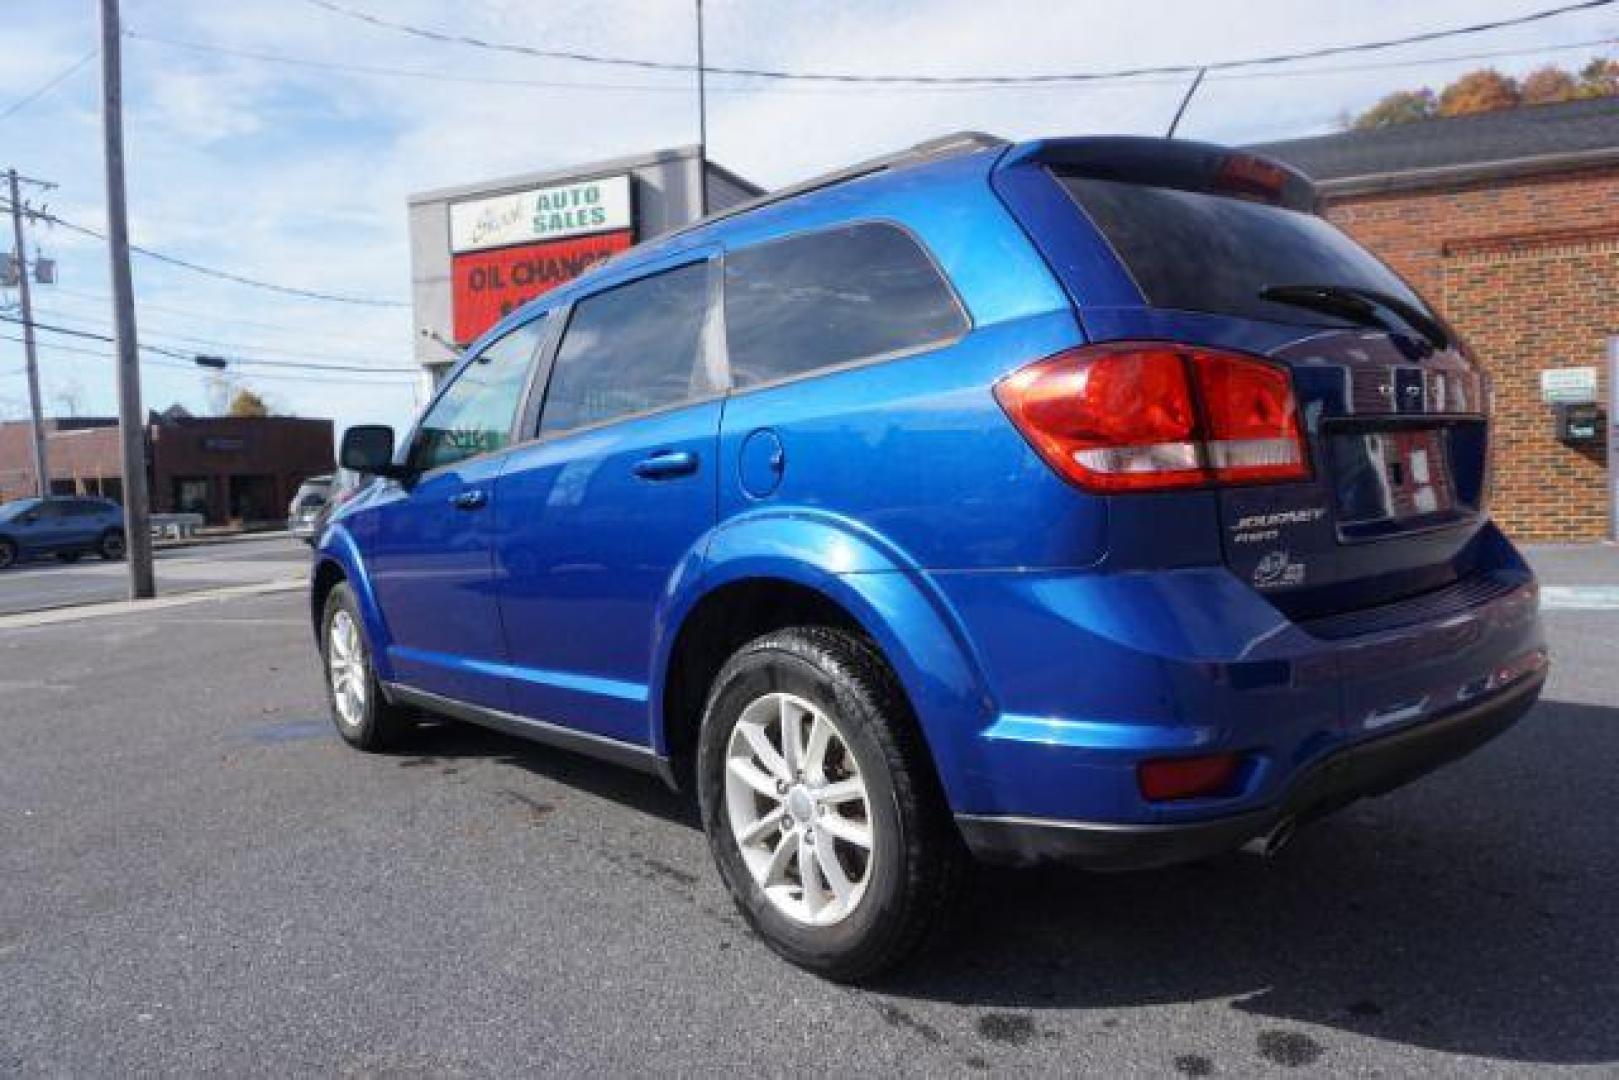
<point x="1392" y="476"/>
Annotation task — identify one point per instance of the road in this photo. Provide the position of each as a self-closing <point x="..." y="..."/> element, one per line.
<point x="196" y="876"/>
<point x="47" y="583"/>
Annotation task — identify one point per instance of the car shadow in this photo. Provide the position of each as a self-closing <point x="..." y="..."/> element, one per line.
<point x="442" y="741"/>
<point x="1474" y="912"/>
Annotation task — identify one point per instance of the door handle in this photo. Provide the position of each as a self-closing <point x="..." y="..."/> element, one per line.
<point x="471" y="499"/>
<point x="664" y="466"/>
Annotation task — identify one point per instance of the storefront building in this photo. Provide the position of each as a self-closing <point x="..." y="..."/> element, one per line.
<point x="1509" y="223"/>
<point x="229" y="469"/>
<point x="481" y="250"/>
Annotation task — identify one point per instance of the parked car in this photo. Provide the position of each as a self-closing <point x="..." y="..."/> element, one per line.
<point x="65" y="526"/>
<point x="1082" y="499"/>
<point x="307" y="507"/>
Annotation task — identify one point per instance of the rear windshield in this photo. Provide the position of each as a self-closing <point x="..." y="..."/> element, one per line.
<point x="1201" y="252"/>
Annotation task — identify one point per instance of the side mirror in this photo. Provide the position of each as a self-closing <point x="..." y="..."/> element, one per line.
<point x="369" y="448"/>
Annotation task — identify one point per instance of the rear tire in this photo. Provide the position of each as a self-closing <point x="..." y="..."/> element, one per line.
<point x="365" y="719"/>
<point x="883" y="867"/>
<point x="111" y="546"/>
<point x="8" y="553"/>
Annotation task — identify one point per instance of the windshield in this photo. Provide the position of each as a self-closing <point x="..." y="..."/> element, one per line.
<point x="19" y="506"/>
<point x="1200" y="252"/>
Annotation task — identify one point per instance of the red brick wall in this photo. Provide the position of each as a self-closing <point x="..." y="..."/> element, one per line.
<point x="1528" y="271"/>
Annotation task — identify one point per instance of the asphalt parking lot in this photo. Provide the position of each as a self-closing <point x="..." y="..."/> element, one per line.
<point x="47" y="583"/>
<point x="196" y="876"/>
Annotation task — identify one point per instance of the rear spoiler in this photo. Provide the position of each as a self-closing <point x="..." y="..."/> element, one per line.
<point x="1172" y="163"/>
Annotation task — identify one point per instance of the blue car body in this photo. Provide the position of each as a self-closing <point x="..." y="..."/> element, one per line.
<point x="1050" y="639"/>
<point x="61" y="525"/>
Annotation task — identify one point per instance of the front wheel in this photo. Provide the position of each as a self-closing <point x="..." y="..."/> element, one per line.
<point x="363" y="716"/>
<point x="820" y="806"/>
<point x="111" y="546"/>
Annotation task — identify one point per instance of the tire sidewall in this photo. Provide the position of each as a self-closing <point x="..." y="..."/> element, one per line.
<point x="775" y="669"/>
<point x="107" y="538"/>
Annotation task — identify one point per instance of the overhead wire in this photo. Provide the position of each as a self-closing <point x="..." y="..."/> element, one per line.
<point x="577" y="56"/>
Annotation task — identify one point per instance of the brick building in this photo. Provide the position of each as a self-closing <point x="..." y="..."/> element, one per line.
<point x="1509" y="223"/>
<point x="227" y="468"/>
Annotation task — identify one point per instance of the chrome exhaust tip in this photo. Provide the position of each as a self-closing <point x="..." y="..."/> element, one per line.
<point x="1267" y="844"/>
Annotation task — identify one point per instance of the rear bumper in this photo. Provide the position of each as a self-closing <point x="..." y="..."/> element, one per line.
<point x="1371" y="767"/>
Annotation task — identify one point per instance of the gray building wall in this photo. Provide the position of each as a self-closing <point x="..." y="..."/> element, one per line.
<point x="666" y="198"/>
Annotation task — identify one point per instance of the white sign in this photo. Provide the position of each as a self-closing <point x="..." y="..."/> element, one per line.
<point x="548" y="213"/>
<point x="1569" y="386"/>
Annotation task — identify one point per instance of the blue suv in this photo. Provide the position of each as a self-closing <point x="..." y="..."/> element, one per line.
<point x="65" y="526"/>
<point x="1082" y="499"/>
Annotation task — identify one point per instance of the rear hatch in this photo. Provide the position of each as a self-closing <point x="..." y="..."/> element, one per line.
<point x="1223" y="253"/>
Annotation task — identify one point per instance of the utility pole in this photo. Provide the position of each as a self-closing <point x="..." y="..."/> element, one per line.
<point x="702" y="121"/>
<point x="36" y="422"/>
<point x="131" y="417"/>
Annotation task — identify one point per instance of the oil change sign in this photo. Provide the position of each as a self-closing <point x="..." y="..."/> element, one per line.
<point x="548" y="213"/>
<point x="508" y="249"/>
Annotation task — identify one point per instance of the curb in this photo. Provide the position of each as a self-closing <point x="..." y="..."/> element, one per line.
<point x="55" y="616"/>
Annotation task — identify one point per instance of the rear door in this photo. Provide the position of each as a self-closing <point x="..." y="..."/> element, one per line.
<point x="1391" y="404"/>
<point x="618" y="487"/>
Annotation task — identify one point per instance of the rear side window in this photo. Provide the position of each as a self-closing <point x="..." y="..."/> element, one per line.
<point x="814" y="301"/>
<point x="631" y="349"/>
<point x="1201" y="252"/>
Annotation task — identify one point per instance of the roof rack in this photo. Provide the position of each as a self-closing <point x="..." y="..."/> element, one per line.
<point x="960" y="142"/>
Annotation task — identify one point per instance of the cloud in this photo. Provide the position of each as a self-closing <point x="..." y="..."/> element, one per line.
<point x="300" y="175"/>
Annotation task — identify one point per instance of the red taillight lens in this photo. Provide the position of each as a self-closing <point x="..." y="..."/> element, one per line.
<point x="1188" y="778"/>
<point x="1152" y="417"/>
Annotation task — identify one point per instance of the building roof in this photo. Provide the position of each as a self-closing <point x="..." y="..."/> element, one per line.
<point x="1527" y="139"/>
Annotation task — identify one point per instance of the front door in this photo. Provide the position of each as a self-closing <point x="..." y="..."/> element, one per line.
<point x="595" y="516"/>
<point x="428" y="539"/>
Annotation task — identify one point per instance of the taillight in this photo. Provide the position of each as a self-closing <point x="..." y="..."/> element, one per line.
<point x="1151" y="417"/>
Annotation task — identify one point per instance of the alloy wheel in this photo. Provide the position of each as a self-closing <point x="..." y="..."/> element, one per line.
<point x="798" y="809"/>
<point x="346" y="667"/>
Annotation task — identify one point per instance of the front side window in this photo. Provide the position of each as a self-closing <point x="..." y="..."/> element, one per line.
<point x="631" y="349"/>
<point x="822" y="299"/>
<point x="475" y="415"/>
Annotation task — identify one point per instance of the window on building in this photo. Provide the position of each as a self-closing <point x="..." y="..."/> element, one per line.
<point x="822" y="299"/>
<point x="475" y="414"/>
<point x="631" y="349"/>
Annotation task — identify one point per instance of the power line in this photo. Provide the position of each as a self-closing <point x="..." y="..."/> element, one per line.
<point x="49" y="85"/>
<point x="235" y="346"/>
<point x="444" y="37"/>
<point x="213" y="317"/>
<point x="659" y="88"/>
<point x="225" y="275"/>
<point x="162" y="350"/>
<point x="187" y="366"/>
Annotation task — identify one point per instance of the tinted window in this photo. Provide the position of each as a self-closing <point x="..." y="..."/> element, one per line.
<point x="828" y="298"/>
<point x="636" y="347"/>
<point x="1202" y="252"/>
<point x="475" y="414"/>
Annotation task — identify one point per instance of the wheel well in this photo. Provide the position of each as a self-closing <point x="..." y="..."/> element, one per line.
<point x="327" y="576"/>
<point x="720" y="624"/>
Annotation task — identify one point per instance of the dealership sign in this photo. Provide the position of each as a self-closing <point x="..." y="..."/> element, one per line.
<point x="508" y="249"/>
<point x="548" y="213"/>
<point x="489" y="285"/>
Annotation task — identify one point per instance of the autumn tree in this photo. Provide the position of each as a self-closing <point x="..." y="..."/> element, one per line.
<point x="247" y="403"/>
<point x="1400" y="107"/>
<point x="1547" y="86"/>
<point x="1599" y="78"/>
<point x="1482" y="91"/>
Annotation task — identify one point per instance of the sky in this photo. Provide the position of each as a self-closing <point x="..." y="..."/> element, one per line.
<point x="298" y="174"/>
